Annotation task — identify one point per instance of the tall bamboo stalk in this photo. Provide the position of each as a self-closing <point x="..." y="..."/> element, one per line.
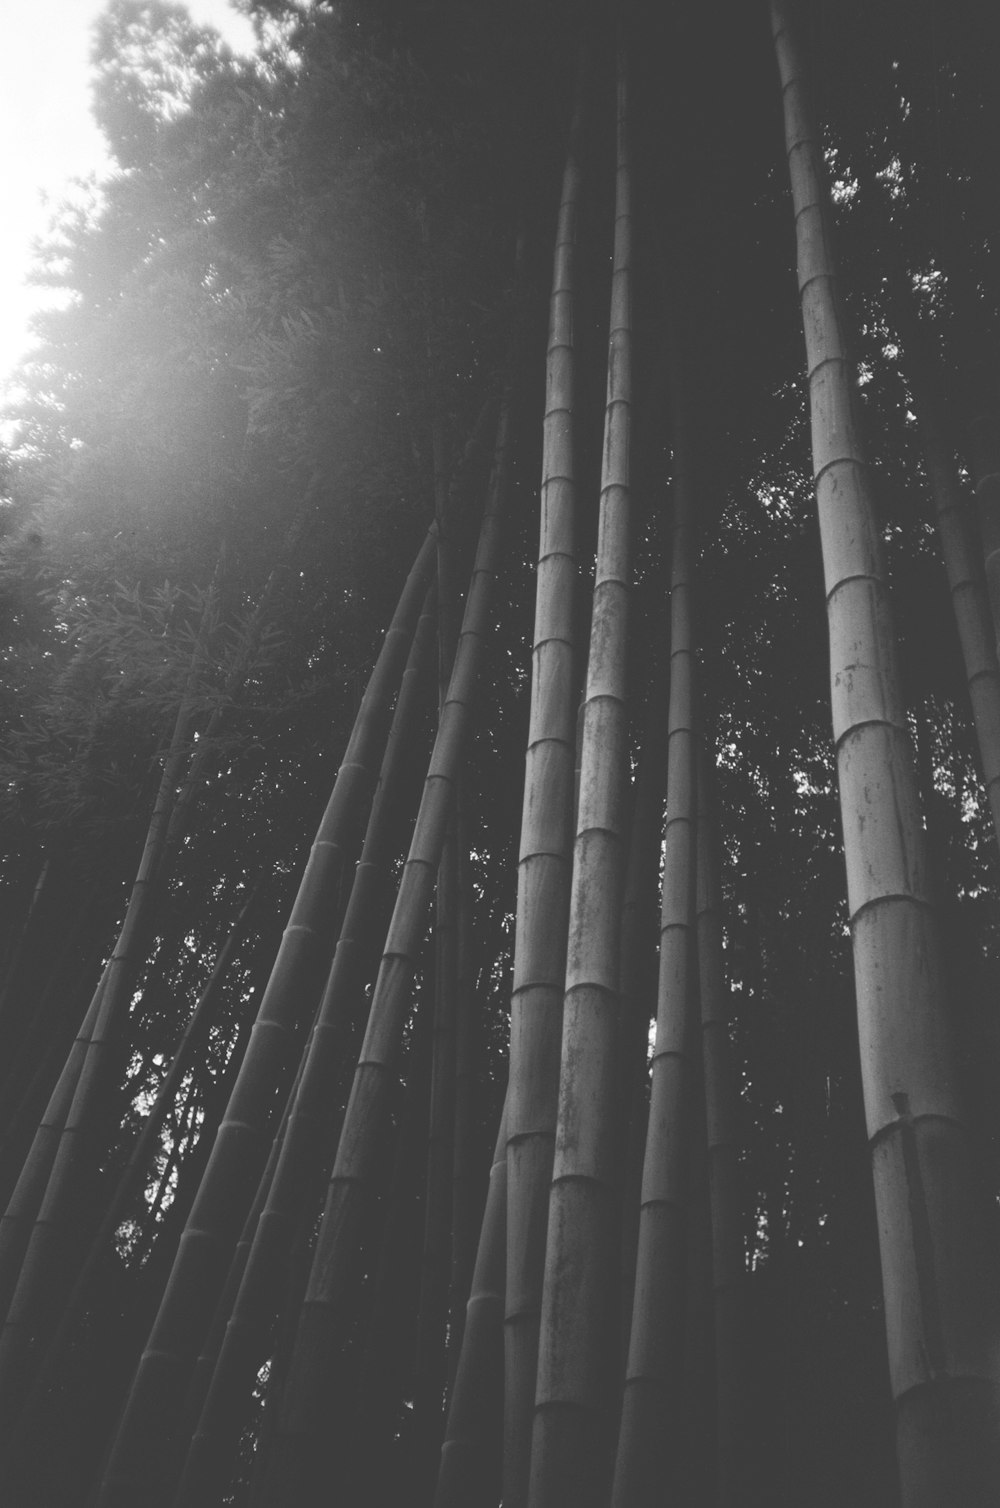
<point x="544" y="858"/>
<point x="646" y="1463"/>
<point x="334" y="1280"/>
<point x="725" y="1207"/>
<point x="937" y="1253"/>
<point x="234" y="1166"/>
<point x="571" y="1447"/>
<point x="637" y="988"/>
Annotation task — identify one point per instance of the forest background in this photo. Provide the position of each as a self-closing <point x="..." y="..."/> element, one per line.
<point x="293" y="309"/>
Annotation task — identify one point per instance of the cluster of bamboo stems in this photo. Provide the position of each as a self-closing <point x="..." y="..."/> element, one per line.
<point x="568" y="1334"/>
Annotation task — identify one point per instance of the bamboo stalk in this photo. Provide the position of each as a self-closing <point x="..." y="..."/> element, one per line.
<point x="571" y="1446"/>
<point x="936" y="1248"/>
<point x="646" y="1464"/>
<point x="234" y="1166"/>
<point x="725" y="1209"/>
<point x="544" y="857"/>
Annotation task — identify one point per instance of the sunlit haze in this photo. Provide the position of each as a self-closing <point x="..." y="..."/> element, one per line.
<point x="49" y="133"/>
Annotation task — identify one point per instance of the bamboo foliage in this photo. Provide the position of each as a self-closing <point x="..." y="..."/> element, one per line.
<point x="940" y="1314"/>
<point x="571" y="1442"/>
<point x="543" y="860"/>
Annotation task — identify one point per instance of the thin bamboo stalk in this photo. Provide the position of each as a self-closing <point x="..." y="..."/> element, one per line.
<point x="544" y="857"/>
<point x="234" y="1166"/>
<point x="937" y="1250"/>
<point x="646" y="1463"/>
<point x="572" y="1446"/>
<point x="466" y="1211"/>
<point x="725" y="1207"/>
<point x="638" y="988"/>
<point x="335" y="1275"/>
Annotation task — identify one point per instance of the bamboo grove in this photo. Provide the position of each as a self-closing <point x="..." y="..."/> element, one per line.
<point x="500" y="891"/>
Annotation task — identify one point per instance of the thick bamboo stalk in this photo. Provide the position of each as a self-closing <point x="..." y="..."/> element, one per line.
<point x="304" y="1151"/>
<point x="234" y="1166"/>
<point x="651" y="1404"/>
<point x="936" y="1248"/>
<point x="469" y="1474"/>
<point x="544" y="859"/>
<point x="333" y="1283"/>
<point x="571" y="1446"/>
<point x="725" y="1207"/>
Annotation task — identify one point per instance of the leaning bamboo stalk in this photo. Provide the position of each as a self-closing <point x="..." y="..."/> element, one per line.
<point x="936" y="1250"/>
<point x="466" y="1175"/>
<point x="651" y="1405"/>
<point x="333" y="1282"/>
<point x="544" y="858"/>
<point x="469" y="1473"/>
<point x="725" y="1207"/>
<point x="231" y="1175"/>
<point x="303" y="1151"/>
<point x="571" y="1445"/>
<point x="637" y="989"/>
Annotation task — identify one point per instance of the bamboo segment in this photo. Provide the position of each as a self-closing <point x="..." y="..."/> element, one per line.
<point x="543" y="861"/>
<point x="571" y="1447"/>
<point x="234" y="1166"/>
<point x="651" y="1403"/>
<point x="332" y="1291"/>
<point x="725" y="1210"/>
<point x="940" y="1304"/>
<point x="469" y="1475"/>
<point x="304" y="1144"/>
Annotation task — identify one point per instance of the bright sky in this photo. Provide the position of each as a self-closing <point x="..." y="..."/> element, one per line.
<point x="48" y="134"/>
